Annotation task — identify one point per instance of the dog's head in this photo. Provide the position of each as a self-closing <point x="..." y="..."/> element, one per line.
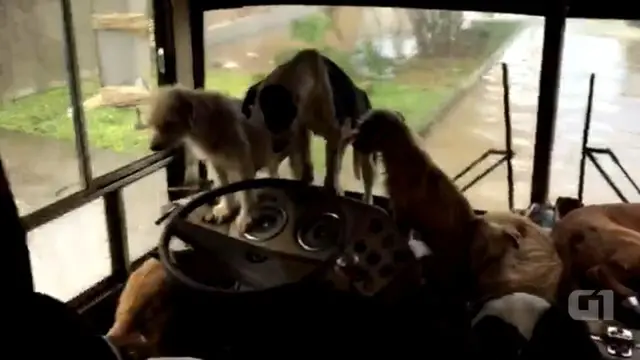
<point x="492" y="241"/>
<point x="130" y="346"/>
<point x="376" y="126"/>
<point x="170" y="117"/>
<point x="279" y="110"/>
<point x="564" y="205"/>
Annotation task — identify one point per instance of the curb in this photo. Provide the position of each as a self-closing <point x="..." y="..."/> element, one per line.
<point x="472" y="80"/>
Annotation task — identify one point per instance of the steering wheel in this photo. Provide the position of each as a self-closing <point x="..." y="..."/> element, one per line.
<point x="362" y="248"/>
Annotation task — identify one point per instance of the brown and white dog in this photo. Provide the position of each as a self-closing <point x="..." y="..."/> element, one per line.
<point x="213" y="127"/>
<point x="600" y="248"/>
<point x="310" y="93"/>
<point x="425" y="199"/>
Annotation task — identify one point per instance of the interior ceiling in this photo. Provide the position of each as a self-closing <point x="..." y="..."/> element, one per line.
<point x="612" y="9"/>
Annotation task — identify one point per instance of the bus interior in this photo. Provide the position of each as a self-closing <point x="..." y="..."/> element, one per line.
<point x="519" y="104"/>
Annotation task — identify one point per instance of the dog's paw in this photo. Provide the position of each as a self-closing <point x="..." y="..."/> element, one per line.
<point x="220" y="213"/>
<point x="242" y="222"/>
<point x="334" y="189"/>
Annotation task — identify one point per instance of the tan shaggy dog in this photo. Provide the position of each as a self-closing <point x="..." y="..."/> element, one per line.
<point x="213" y="127"/>
<point x="424" y="199"/>
<point x="600" y="248"/>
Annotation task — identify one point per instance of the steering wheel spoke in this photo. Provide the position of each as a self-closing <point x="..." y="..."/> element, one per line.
<point x="201" y="238"/>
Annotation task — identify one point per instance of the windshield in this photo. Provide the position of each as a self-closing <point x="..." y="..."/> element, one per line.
<point x="441" y="69"/>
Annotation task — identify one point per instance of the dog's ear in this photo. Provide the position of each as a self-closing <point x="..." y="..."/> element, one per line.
<point x="564" y="205"/>
<point x="250" y="99"/>
<point x="492" y="241"/>
<point x="278" y="107"/>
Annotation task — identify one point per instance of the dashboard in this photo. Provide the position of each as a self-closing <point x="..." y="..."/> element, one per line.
<point x="306" y="226"/>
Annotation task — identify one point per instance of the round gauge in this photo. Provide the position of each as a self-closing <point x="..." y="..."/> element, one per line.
<point x="320" y="233"/>
<point x="267" y="222"/>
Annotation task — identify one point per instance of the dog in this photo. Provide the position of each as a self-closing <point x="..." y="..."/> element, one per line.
<point x="534" y="266"/>
<point x="310" y="93"/>
<point x="151" y="302"/>
<point x="600" y="248"/>
<point x="144" y="293"/>
<point x="213" y="128"/>
<point x="524" y="326"/>
<point x="423" y="198"/>
<point x="564" y="205"/>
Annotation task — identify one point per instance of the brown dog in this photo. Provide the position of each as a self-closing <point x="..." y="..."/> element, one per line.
<point x="151" y="304"/>
<point x="310" y="93"/>
<point x="140" y="316"/>
<point x="600" y="248"/>
<point x="215" y="130"/>
<point x="424" y="199"/>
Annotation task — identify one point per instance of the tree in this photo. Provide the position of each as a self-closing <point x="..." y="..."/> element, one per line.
<point x="435" y="31"/>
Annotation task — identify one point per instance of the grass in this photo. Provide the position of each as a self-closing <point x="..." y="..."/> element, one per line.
<point x="419" y="88"/>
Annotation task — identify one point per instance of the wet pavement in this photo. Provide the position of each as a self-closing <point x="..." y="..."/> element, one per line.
<point x="475" y="124"/>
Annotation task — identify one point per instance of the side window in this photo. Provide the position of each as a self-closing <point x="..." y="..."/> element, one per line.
<point x="49" y="156"/>
<point x="70" y="254"/>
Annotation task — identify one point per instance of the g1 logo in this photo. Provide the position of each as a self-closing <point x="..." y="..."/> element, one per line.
<point x="599" y="305"/>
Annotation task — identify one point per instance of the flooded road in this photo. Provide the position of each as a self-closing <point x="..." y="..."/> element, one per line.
<point x="477" y="123"/>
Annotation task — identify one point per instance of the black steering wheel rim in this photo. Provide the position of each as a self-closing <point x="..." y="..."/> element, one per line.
<point x="181" y="213"/>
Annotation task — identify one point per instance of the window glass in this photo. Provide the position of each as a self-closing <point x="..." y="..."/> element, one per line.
<point x="70" y="254"/>
<point x="115" y="51"/>
<point x="143" y="202"/>
<point x="36" y="130"/>
<point x="616" y="101"/>
<point x="439" y="68"/>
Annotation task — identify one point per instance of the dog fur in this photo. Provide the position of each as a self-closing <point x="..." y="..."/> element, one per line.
<point x="151" y="303"/>
<point x="524" y="326"/>
<point x="533" y="267"/>
<point x="600" y="248"/>
<point x="213" y="128"/>
<point x="140" y="305"/>
<point x="310" y="93"/>
<point x="424" y="199"/>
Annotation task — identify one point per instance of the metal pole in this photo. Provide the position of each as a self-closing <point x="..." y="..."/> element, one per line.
<point x="508" y="133"/>
<point x="547" y="103"/>
<point x="117" y="232"/>
<point x="585" y="136"/>
<point x="75" y="93"/>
